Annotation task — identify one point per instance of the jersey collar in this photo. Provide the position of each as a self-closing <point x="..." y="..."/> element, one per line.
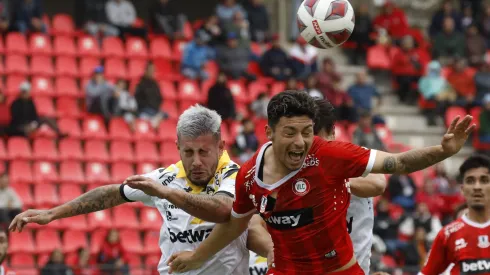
<point x="474" y="224"/>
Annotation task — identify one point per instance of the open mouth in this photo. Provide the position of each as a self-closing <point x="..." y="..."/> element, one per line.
<point x="296" y="156"/>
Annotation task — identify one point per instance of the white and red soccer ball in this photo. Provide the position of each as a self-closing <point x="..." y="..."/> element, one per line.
<point x="325" y="23"/>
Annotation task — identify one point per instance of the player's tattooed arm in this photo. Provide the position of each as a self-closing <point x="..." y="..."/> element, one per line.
<point x="408" y="162"/>
<point x="371" y="186"/>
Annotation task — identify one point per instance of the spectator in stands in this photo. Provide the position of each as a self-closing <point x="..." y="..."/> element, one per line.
<point x="258" y="17"/>
<point x="448" y="44"/>
<point x="393" y="20"/>
<point x="233" y="59"/>
<point x="95" y="18"/>
<point x="84" y="265"/>
<point x="122" y="15"/>
<point x="212" y="28"/>
<point x="407" y="68"/>
<point x="56" y="265"/>
<point x="416" y="251"/>
<point x="386" y="227"/>
<point x="438" y="20"/>
<point x="361" y="34"/>
<point x="311" y="87"/>
<point x="363" y="93"/>
<point x="422" y="217"/>
<point x="476" y="47"/>
<point x="246" y="143"/>
<point x="28" y="16"/>
<point x="293" y="84"/>
<point x="149" y="98"/>
<point x="462" y="79"/>
<point x="4" y="16"/>
<point x="402" y="190"/>
<point x="227" y="9"/>
<point x="482" y="81"/>
<point x="221" y="100"/>
<point x="304" y="58"/>
<point x="166" y="19"/>
<point x="484" y="130"/>
<point x="195" y="56"/>
<point x="25" y="119"/>
<point x="468" y="18"/>
<point x="259" y="106"/>
<point x="112" y="256"/>
<point x="124" y="103"/>
<point x="485" y="22"/>
<point x="4" y="114"/>
<point x="239" y="26"/>
<point x="365" y="134"/>
<point x="98" y="94"/>
<point x="327" y="77"/>
<point x="430" y="196"/>
<point x="10" y="202"/>
<point x="275" y="62"/>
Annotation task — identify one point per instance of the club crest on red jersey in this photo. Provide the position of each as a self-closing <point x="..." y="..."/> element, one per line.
<point x="301" y="187"/>
<point x="483" y="241"/>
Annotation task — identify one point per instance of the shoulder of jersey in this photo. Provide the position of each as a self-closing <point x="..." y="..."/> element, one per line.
<point x="453" y="227"/>
<point x="229" y="171"/>
<point x="164" y="175"/>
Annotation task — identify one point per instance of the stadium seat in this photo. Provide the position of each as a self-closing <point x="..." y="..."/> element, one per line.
<point x="71" y="127"/>
<point x="88" y="47"/>
<point x="2" y="46"/>
<point x="212" y="68"/>
<point x="63" y="25"/>
<point x="121" y="151"/>
<point x="70" y="149"/>
<point x="136" y="69"/>
<point x="277" y="87"/>
<point x="44" y="106"/>
<point x="120" y="171"/>
<point x="160" y="48"/>
<point x="94" y="128"/>
<point x="119" y="130"/>
<point x="42" y="65"/>
<point x="21" y="261"/>
<point x="16" y="64"/>
<point x="452" y="112"/>
<point x="167" y="89"/>
<point x="22" y="242"/>
<point x="16" y="43"/>
<point x="146" y="151"/>
<point x="45" y="195"/>
<point x="40" y="44"/>
<point x="100" y="220"/>
<point x="22" y="189"/>
<point x="384" y="134"/>
<point x="96" y="150"/>
<point x="136" y="48"/>
<point x="151" y="241"/>
<point x="66" y="66"/>
<point x="144" y="130"/>
<point x="238" y="91"/>
<point x="19" y="148"/>
<point x="96" y="240"/>
<point x="42" y="86"/>
<point x="169" y="153"/>
<point x="67" y="87"/>
<point x="13" y="84"/>
<point x="64" y="46"/>
<point x="47" y="240"/>
<point x="170" y="108"/>
<point x="112" y="47"/>
<point x="151" y="219"/>
<point x="3" y="151"/>
<point x="115" y="69"/>
<point x="45" y="149"/>
<point x="188" y="90"/>
<point x="96" y="173"/>
<point x="131" y="242"/>
<point x="71" y="172"/>
<point x="42" y="259"/>
<point x="45" y="172"/>
<point x="255" y="89"/>
<point x="78" y="223"/>
<point x="68" y="108"/>
<point x="44" y="132"/>
<point x="178" y="49"/>
<point x="125" y="217"/>
<point x="73" y="240"/>
<point x="87" y="66"/>
<point x="167" y="131"/>
<point x="69" y="191"/>
<point x="145" y="167"/>
<point x="165" y="70"/>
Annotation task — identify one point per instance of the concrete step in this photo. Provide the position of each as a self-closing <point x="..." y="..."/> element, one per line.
<point x="414" y="124"/>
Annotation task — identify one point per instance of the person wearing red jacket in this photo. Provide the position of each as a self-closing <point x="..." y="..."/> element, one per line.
<point x="112" y="256"/>
<point x="407" y="69"/>
<point x="393" y="20"/>
<point x="83" y="264"/>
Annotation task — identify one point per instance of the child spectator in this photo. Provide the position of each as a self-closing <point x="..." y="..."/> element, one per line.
<point x="98" y="94"/>
<point x="125" y="104"/>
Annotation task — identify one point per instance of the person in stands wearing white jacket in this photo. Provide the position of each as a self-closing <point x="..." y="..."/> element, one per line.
<point x="122" y="15"/>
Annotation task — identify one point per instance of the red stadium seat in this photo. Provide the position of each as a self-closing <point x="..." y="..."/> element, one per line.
<point x="73" y="240"/>
<point x="151" y="219"/>
<point x="160" y="48"/>
<point x="277" y="87"/>
<point x="167" y="131"/>
<point x="47" y="240"/>
<point x="115" y="68"/>
<point x="2" y="47"/>
<point x="131" y="241"/>
<point x="71" y="127"/>
<point x="13" y="84"/>
<point x="45" y="172"/>
<point x="119" y="130"/>
<point x="71" y="172"/>
<point x="75" y="223"/>
<point x="45" y="149"/>
<point x="151" y="241"/>
<point x="63" y="25"/>
<point x="121" y="171"/>
<point x="64" y="46"/>
<point x="100" y="220"/>
<point x="121" y="151"/>
<point x="379" y="57"/>
<point x="16" y="64"/>
<point x="97" y="239"/>
<point x="42" y="65"/>
<point x="178" y="50"/>
<point x="255" y="88"/>
<point x="169" y="153"/>
<point x="136" y="68"/>
<point x="96" y="173"/>
<point x="3" y="151"/>
<point x="67" y="108"/>
<point x="452" y="112"/>
<point x="16" y="43"/>
<point x="125" y="217"/>
<point x="96" y="150"/>
<point x="238" y="91"/>
<point x="45" y="195"/>
<point x="212" y="69"/>
<point x="70" y="149"/>
<point x="189" y="91"/>
<point x="152" y="260"/>
<point x="384" y="134"/>
<point x="69" y="191"/>
<point x="21" y="261"/>
<point x="42" y="86"/>
<point x="146" y="151"/>
<point x="167" y="89"/>
<point x="145" y="167"/>
<point x="170" y="107"/>
<point x="23" y="190"/>
<point x="66" y="66"/>
<point x="22" y="242"/>
<point x="165" y="70"/>
<point x="88" y="47"/>
<point x="40" y="44"/>
<point x="112" y="47"/>
<point x="94" y="128"/>
<point x="136" y="48"/>
<point x="67" y="87"/>
<point x="87" y="66"/>
<point x="20" y="172"/>
<point x="44" y="106"/>
<point x="144" y="131"/>
<point x="19" y="148"/>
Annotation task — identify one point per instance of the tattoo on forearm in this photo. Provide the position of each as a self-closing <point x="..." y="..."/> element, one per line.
<point x="205" y="202"/>
<point x="413" y="160"/>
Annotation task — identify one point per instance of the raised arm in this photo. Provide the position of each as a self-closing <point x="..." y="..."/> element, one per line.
<point x="372" y="185"/>
<point x="94" y="200"/>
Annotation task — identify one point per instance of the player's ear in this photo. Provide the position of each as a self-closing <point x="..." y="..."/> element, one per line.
<point x="177" y="144"/>
<point x="268" y="132"/>
<point x="221" y="145"/>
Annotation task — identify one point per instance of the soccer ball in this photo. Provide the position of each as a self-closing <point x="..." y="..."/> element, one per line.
<point x="325" y="23"/>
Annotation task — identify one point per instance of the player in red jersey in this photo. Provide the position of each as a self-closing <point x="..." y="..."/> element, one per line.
<point x="297" y="183"/>
<point x="4" y="245"/>
<point x="465" y="243"/>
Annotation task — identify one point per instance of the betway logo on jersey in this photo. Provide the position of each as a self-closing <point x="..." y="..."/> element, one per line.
<point x="290" y="219"/>
<point x="189" y="236"/>
<point x="311" y="160"/>
<point x="481" y="266"/>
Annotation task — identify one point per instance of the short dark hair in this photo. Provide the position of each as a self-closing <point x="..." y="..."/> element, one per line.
<point x="458" y="209"/>
<point x="3" y="228"/>
<point x="290" y="103"/>
<point x="325" y="118"/>
<point x="473" y="162"/>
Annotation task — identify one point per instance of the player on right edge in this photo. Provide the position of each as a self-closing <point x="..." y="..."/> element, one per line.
<point x="465" y="243"/>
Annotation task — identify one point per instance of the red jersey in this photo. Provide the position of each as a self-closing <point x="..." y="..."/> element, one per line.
<point x="465" y="245"/>
<point x="5" y="271"/>
<point x="306" y="220"/>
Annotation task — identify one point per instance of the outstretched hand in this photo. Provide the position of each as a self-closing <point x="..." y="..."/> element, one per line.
<point x="41" y="217"/>
<point x="457" y="134"/>
<point x="183" y="262"/>
<point x="147" y="185"/>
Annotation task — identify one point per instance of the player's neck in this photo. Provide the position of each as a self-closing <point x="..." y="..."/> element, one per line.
<point x="274" y="164"/>
<point x="478" y="216"/>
